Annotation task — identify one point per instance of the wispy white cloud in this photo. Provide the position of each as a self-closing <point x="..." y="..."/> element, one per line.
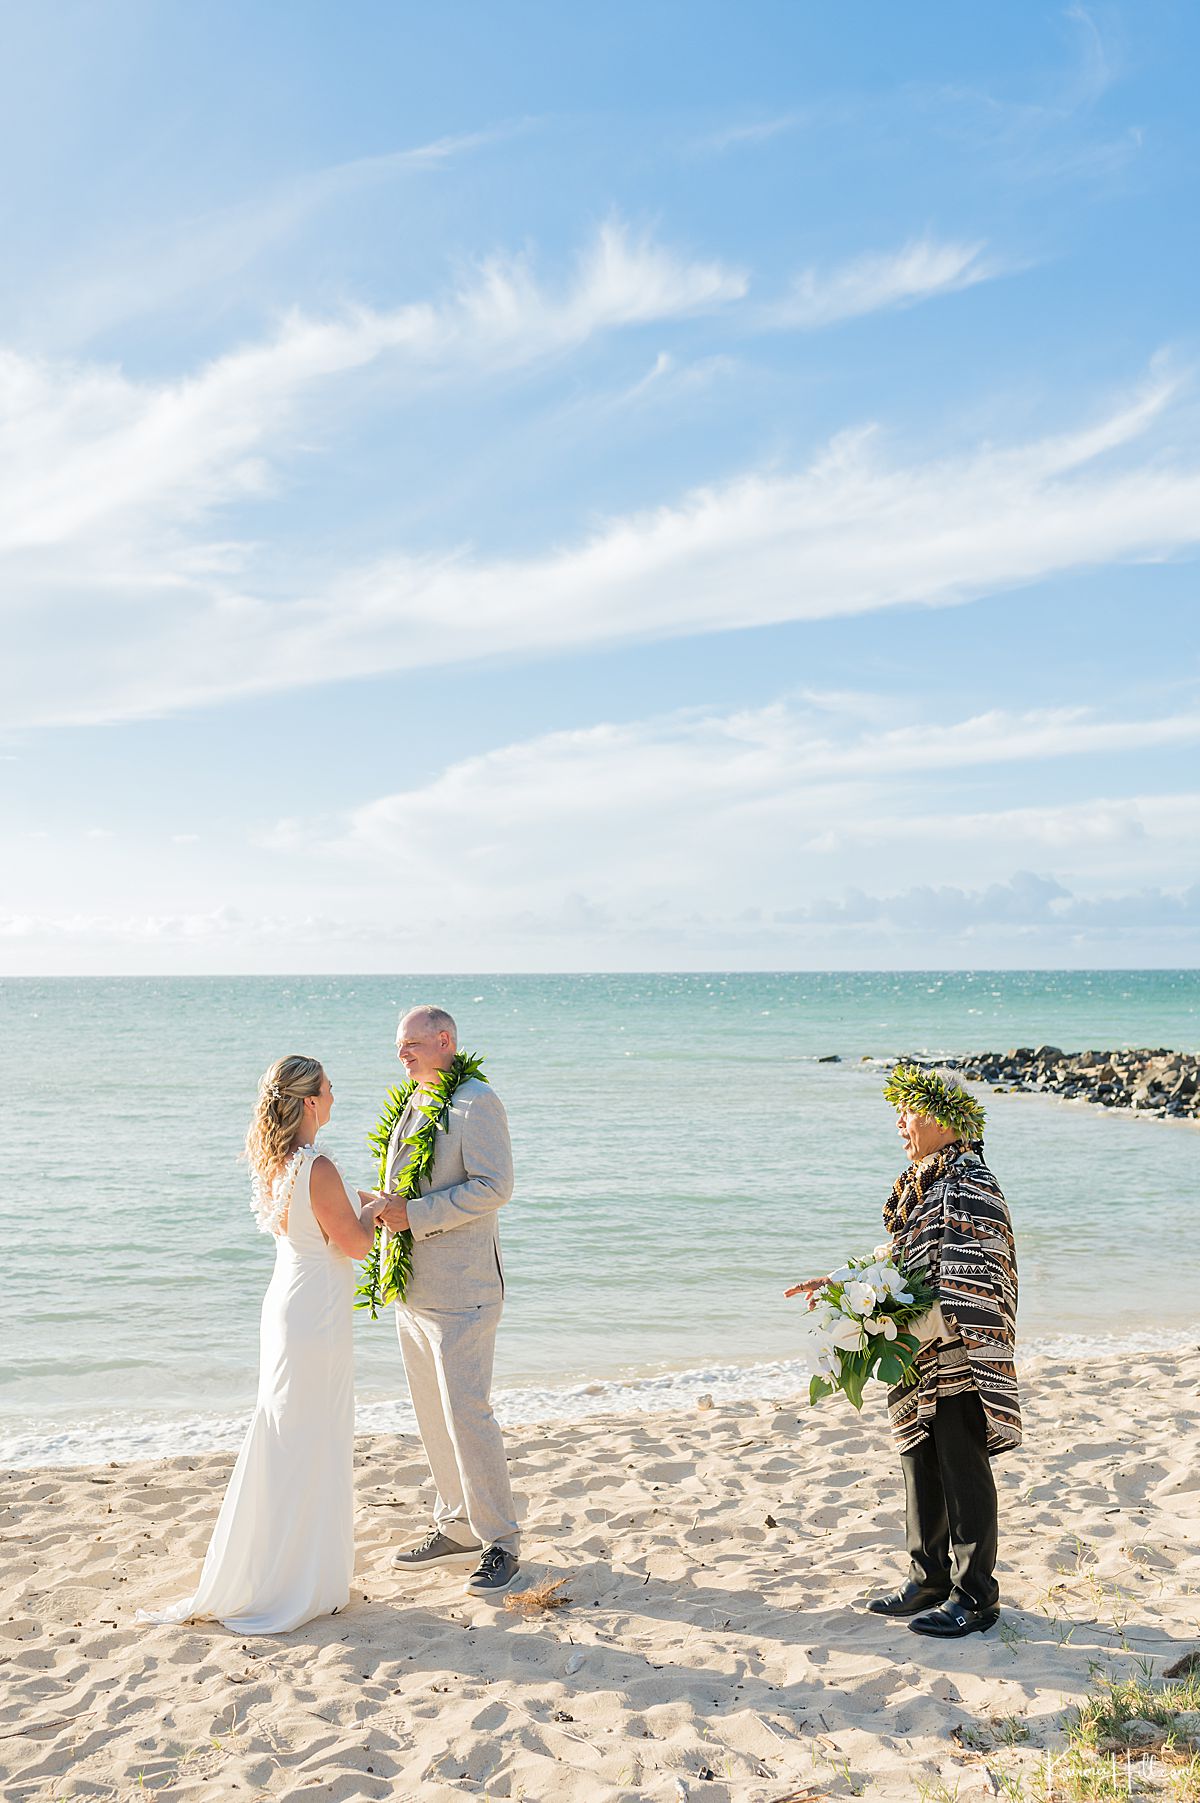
<point x="755" y="807"/>
<point x="202" y="927"/>
<point x="919" y="270"/>
<point x="1095" y="68"/>
<point x="749" y="132"/>
<point x="144" y="273"/>
<point x="620" y="281"/>
<point x="1000" y="737"/>
<point x="1056" y="131"/>
<point x="667" y="383"/>
<point x="104" y="488"/>
<point x="954" y="915"/>
<point x="1025" y="918"/>
<point x="85" y="450"/>
<point x="1100" y="833"/>
<point x="783" y="828"/>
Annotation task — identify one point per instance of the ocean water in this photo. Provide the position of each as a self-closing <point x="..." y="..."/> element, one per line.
<point x="681" y="1153"/>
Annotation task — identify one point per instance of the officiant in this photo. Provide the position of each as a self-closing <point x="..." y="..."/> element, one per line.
<point x="947" y="1217"/>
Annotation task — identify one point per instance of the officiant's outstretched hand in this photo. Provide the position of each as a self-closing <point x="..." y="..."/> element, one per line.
<point x="808" y="1288"/>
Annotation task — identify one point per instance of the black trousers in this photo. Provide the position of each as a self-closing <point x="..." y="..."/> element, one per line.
<point x="950" y="1504"/>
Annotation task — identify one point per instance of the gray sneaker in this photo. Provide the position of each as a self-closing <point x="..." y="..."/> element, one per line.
<point x="494" y="1573"/>
<point x="436" y="1549"/>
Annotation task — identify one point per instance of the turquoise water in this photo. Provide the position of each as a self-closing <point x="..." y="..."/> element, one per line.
<point x="681" y="1156"/>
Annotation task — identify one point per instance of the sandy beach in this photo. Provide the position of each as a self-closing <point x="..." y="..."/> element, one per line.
<point x="713" y="1646"/>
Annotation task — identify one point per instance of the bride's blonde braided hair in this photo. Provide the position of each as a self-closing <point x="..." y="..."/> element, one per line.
<point x="278" y="1114"/>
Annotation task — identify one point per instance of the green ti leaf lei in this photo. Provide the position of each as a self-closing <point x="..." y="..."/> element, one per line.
<point x="388" y="1266"/>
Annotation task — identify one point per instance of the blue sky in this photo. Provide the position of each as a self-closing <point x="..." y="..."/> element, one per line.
<point x="542" y="487"/>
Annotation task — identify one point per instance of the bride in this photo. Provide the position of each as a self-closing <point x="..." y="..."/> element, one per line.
<point x="283" y="1547"/>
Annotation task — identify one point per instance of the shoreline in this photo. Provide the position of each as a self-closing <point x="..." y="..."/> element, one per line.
<point x="135" y="1439"/>
<point x="714" y="1645"/>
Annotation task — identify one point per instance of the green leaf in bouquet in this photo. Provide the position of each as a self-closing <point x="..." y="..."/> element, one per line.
<point x="891" y="1369"/>
<point x="818" y="1387"/>
<point x="855" y="1373"/>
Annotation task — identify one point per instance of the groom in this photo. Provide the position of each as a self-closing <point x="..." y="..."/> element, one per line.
<point x="451" y="1310"/>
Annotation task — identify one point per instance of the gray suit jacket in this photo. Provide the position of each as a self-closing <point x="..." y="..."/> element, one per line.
<point x="456" y="1237"/>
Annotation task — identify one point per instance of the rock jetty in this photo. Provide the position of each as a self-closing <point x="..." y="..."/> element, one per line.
<point x="1149" y="1082"/>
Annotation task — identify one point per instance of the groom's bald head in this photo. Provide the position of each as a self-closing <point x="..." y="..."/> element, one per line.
<point x="426" y="1041"/>
<point x="433" y="1020"/>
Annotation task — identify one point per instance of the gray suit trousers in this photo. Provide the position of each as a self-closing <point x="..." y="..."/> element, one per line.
<point x="448" y="1355"/>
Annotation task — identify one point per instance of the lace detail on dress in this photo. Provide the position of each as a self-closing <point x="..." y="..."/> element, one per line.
<point x="270" y="1205"/>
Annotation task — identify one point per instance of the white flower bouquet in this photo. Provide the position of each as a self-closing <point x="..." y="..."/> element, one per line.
<point x="859" y="1326"/>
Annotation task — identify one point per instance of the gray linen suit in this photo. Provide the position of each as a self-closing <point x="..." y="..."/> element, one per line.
<point x="447" y="1322"/>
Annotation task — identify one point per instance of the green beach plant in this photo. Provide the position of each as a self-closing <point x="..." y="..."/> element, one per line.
<point x="1105" y="1759"/>
<point x="1117" y="1701"/>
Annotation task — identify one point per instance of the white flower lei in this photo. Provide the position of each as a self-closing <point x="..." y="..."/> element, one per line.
<point x="269" y="1206"/>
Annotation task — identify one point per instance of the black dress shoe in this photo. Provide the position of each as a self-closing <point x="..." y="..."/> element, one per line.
<point x="911" y="1599"/>
<point x="952" y="1620"/>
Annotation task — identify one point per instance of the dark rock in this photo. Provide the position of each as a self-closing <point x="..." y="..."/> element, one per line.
<point x="830" y="1058"/>
<point x="1162" y="1083"/>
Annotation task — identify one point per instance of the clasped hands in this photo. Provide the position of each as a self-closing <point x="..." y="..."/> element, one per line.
<point x="391" y="1210"/>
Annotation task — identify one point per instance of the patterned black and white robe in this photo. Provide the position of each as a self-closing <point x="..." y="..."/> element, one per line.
<point x="947" y="1215"/>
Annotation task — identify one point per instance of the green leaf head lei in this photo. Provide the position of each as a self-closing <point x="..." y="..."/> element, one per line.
<point x="914" y="1090"/>
<point x="388" y="1266"/>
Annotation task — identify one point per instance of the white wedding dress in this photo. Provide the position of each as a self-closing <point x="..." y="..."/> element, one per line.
<point x="282" y="1551"/>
